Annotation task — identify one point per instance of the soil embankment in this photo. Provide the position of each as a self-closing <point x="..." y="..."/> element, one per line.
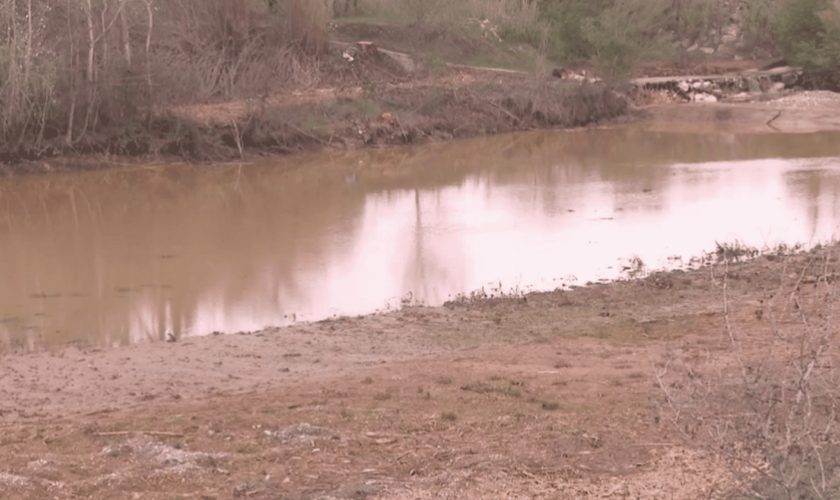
<point x="549" y="393"/>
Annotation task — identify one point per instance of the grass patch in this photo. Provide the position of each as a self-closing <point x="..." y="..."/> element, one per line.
<point x="383" y="396"/>
<point x="357" y="107"/>
<point x="449" y="416"/>
<point x="545" y="404"/>
<point x="550" y="405"/>
<point x="512" y="391"/>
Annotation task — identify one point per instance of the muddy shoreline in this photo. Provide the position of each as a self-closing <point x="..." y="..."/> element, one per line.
<point x="74" y="379"/>
<point x="558" y="383"/>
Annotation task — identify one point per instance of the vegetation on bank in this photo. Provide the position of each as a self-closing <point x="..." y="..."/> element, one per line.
<point x="100" y="75"/>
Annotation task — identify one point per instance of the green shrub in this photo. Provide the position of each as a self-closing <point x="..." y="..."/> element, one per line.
<point x="756" y="27"/>
<point x="627" y="31"/>
<point x="569" y="43"/>
<point x="614" y="33"/>
<point x="808" y="35"/>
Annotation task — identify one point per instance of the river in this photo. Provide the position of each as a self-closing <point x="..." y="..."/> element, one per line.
<point x="134" y="253"/>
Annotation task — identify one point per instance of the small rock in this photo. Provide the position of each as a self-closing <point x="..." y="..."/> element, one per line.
<point x="740" y="97"/>
<point x="693" y="48"/>
<point x="764" y="84"/>
<point x="700" y="97"/>
<point x="707" y="50"/>
<point x="789" y="79"/>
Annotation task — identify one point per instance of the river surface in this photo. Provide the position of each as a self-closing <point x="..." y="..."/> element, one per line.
<point x="131" y="254"/>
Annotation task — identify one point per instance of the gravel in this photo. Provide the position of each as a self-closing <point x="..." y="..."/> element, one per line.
<point x="811" y="99"/>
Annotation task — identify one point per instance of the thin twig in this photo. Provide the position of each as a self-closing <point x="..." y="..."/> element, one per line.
<point x="151" y="433"/>
<point x="238" y="138"/>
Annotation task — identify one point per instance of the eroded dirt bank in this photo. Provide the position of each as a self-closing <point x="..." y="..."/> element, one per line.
<point x="552" y="394"/>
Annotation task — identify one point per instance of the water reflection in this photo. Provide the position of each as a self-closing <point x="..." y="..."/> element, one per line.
<point x="130" y="255"/>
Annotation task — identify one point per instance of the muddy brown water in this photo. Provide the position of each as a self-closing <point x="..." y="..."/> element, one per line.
<point x="131" y="254"/>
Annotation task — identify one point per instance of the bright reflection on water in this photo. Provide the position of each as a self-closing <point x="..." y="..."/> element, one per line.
<point x="128" y="255"/>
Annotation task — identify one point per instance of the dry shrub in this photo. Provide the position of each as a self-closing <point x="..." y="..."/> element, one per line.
<point x="513" y="13"/>
<point x="308" y="24"/>
<point x="768" y="403"/>
<point x="60" y="91"/>
<point x="206" y="53"/>
<point x="565" y="105"/>
<point x="29" y="72"/>
<point x="235" y="20"/>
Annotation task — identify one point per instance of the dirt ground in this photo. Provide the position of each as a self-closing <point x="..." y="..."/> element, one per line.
<point x="549" y="395"/>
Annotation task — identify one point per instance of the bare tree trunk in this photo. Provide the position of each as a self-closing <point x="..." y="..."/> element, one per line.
<point x="28" y="43"/>
<point x="73" y="79"/>
<point x="104" y="36"/>
<point x="69" y="137"/>
<point x="13" y="67"/>
<point x="126" y="41"/>
<point x="9" y="89"/>
<point x="148" y="44"/>
<point x="91" y="41"/>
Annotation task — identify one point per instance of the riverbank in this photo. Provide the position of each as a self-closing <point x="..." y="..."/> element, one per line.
<point x="367" y="94"/>
<point x="547" y="393"/>
<point x="457" y="103"/>
<point x="380" y="106"/>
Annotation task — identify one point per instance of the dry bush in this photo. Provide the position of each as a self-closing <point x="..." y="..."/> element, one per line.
<point x="29" y="72"/>
<point x="198" y="60"/>
<point x="308" y="24"/>
<point x="91" y="75"/>
<point x="343" y="8"/>
<point x="547" y="103"/>
<point x="768" y="402"/>
<point x="517" y="14"/>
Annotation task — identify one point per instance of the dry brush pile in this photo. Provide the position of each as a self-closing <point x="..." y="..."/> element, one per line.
<point x="767" y="398"/>
<point x="92" y="75"/>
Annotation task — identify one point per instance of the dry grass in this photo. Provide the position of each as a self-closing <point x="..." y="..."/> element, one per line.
<point x="518" y="13"/>
<point x="308" y="23"/>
